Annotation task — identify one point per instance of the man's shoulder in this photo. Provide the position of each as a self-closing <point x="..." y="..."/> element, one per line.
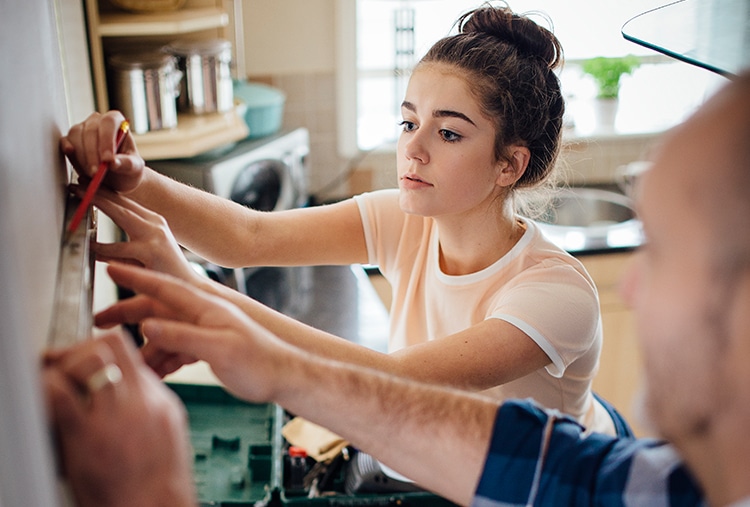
<point x="538" y="456"/>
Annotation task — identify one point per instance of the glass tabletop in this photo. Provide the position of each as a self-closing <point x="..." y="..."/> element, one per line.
<point x="713" y="34"/>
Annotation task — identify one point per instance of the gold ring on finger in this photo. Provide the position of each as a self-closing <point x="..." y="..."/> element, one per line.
<point x="109" y="374"/>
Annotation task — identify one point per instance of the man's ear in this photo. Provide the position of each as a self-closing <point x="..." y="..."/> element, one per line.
<point x="512" y="168"/>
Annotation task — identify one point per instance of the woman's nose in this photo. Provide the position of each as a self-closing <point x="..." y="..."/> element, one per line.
<point x="414" y="146"/>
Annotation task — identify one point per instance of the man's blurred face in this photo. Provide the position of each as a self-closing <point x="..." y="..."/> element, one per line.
<point x="671" y="285"/>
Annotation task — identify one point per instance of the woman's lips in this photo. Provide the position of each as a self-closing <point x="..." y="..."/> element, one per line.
<point x="410" y="181"/>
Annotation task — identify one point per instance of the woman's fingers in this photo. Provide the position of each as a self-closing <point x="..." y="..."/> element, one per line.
<point x="119" y="205"/>
<point x="151" y="243"/>
<point x="107" y="135"/>
<point x="126" y="213"/>
<point x="92" y="142"/>
<point x="115" y="252"/>
<point x="96" y="142"/>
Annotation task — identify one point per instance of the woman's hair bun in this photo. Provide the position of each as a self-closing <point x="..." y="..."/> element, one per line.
<point x="509" y="62"/>
<point x="529" y="38"/>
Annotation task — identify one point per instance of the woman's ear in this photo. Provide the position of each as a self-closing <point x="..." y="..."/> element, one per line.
<point x="512" y="168"/>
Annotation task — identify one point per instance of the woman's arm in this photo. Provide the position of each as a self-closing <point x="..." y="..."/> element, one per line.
<point x="485" y="355"/>
<point x="215" y="228"/>
<point x="229" y="234"/>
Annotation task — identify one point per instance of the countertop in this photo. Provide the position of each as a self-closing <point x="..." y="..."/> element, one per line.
<point x="337" y="299"/>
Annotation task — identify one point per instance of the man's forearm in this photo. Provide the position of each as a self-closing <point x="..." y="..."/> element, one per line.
<point x="435" y="436"/>
<point x="298" y="333"/>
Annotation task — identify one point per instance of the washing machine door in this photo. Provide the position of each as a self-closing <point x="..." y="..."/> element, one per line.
<point x="263" y="185"/>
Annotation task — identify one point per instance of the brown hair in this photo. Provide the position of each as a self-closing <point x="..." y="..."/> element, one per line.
<point x="510" y="60"/>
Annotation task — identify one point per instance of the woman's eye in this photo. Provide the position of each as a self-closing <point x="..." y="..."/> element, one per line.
<point x="407" y="126"/>
<point x="449" y="136"/>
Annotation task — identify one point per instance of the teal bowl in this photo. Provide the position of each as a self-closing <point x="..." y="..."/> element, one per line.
<point x="264" y="107"/>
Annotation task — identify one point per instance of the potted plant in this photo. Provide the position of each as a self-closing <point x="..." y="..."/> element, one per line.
<point x="607" y="72"/>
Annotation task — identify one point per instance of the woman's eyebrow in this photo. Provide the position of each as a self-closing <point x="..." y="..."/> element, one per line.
<point x="408" y="105"/>
<point x="439" y="113"/>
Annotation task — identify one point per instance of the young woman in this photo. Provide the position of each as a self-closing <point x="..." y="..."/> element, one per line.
<point x="481" y="300"/>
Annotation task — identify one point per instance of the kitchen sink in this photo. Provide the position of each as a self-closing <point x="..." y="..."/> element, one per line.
<point x="580" y="219"/>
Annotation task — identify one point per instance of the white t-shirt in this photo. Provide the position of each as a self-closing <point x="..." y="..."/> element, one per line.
<point x="537" y="287"/>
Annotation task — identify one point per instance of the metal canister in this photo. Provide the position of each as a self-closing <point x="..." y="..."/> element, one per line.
<point x="207" y="87"/>
<point x="144" y="86"/>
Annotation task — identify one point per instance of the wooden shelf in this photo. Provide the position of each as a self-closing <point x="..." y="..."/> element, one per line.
<point x="122" y="24"/>
<point x="194" y="134"/>
<point x="109" y="26"/>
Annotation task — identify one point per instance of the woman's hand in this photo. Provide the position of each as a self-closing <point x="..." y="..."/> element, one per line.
<point x="183" y="324"/>
<point x="92" y="142"/>
<point x="151" y="243"/>
<point x="121" y="434"/>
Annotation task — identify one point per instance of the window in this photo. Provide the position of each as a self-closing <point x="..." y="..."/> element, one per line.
<point x="391" y="35"/>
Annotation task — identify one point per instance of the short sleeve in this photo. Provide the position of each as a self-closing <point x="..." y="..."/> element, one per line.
<point x="383" y="223"/>
<point x="540" y="457"/>
<point x="557" y="307"/>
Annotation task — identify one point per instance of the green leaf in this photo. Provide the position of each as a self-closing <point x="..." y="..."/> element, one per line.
<point x="607" y="71"/>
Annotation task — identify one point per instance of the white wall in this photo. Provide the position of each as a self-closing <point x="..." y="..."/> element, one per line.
<point x="289" y="36"/>
<point x="32" y="189"/>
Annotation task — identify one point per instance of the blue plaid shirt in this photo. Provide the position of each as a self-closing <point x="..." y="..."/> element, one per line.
<point x="541" y="457"/>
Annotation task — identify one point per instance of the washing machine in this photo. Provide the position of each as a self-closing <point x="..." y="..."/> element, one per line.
<point x="269" y="174"/>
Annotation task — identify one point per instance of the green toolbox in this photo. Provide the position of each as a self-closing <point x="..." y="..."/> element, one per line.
<point x="242" y="459"/>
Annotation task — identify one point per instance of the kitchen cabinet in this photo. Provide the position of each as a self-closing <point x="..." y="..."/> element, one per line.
<point x="112" y="29"/>
<point x="620" y="366"/>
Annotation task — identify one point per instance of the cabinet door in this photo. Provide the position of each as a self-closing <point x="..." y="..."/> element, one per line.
<point x="620" y="367"/>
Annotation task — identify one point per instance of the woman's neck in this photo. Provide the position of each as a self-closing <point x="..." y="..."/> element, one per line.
<point x="466" y="248"/>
